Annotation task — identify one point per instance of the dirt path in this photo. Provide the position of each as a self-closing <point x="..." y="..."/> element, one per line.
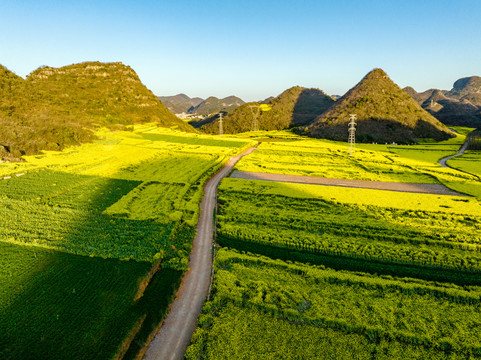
<point x="462" y="149"/>
<point x="377" y="185"/>
<point x="174" y="336"/>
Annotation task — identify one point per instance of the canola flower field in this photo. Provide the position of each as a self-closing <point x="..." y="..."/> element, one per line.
<point x="83" y="231"/>
<point x="375" y="162"/>
<point x="323" y="272"/>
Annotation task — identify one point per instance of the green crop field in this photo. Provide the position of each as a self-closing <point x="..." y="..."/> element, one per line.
<point x="55" y="305"/>
<point x="272" y="309"/>
<point x="469" y="162"/>
<point x="393" y="163"/>
<point x="82" y="232"/>
<point x="347" y="222"/>
<point x="325" y="272"/>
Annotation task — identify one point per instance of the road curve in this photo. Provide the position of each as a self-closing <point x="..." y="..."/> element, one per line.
<point x="174" y="336"/>
<point x="462" y="149"/>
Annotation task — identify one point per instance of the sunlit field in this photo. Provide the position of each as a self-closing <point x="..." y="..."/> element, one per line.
<point x="337" y="272"/>
<point x="85" y="230"/>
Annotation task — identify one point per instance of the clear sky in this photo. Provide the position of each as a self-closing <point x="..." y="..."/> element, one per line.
<point x="252" y="49"/>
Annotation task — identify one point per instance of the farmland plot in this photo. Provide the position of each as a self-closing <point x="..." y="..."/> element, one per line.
<point x="323" y="272"/>
<point x="82" y="232"/>
<point x="278" y="310"/>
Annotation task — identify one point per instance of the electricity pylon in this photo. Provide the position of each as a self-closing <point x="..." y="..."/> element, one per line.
<point x="352" y="133"/>
<point x="221" y="129"/>
<point x="255" y="125"/>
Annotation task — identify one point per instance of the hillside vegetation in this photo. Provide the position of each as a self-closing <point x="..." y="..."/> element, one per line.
<point x="475" y="140"/>
<point x="385" y="113"/>
<point x="294" y="107"/>
<point x="57" y="107"/>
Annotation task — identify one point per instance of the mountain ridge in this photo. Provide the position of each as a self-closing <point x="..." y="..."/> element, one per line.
<point x="385" y="113"/>
<point x="180" y="103"/>
<point x="460" y="106"/>
<point x="213" y="105"/>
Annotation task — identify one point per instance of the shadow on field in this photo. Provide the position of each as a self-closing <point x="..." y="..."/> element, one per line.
<point x="340" y="262"/>
<point x="57" y="305"/>
<point x="268" y="219"/>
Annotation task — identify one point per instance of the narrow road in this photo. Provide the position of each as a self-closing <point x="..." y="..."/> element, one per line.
<point x="443" y="161"/>
<point x="174" y="336"/>
<point x="436" y="189"/>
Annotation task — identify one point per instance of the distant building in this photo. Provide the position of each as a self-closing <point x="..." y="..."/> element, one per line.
<point x="185" y="116"/>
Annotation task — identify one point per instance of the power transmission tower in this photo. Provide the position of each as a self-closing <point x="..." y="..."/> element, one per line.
<point x="352" y="133"/>
<point x="255" y="125"/>
<point x="221" y="129"/>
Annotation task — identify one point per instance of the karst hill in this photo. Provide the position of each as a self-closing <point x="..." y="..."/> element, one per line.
<point x="196" y="106"/>
<point x="468" y="88"/>
<point x="294" y="107"/>
<point x="385" y="114"/>
<point x="459" y="106"/>
<point x="56" y="107"/>
<point x="213" y="105"/>
<point x="180" y="103"/>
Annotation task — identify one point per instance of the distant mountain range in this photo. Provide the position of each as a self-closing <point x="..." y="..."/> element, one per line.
<point x="294" y="107"/>
<point x="385" y="113"/>
<point x="459" y="106"/>
<point x="56" y="107"/>
<point x="181" y="103"/>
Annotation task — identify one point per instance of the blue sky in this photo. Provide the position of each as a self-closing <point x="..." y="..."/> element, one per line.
<point x="252" y="49"/>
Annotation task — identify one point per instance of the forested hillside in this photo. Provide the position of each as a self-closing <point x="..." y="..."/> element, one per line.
<point x="385" y="113"/>
<point x="57" y="107"/>
<point x="294" y="107"/>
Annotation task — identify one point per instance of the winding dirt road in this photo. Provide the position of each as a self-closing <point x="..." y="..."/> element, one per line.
<point x="462" y="149"/>
<point x="436" y="189"/>
<point x="174" y="336"/>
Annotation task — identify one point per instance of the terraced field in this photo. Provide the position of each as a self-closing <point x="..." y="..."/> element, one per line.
<point x="84" y="231"/>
